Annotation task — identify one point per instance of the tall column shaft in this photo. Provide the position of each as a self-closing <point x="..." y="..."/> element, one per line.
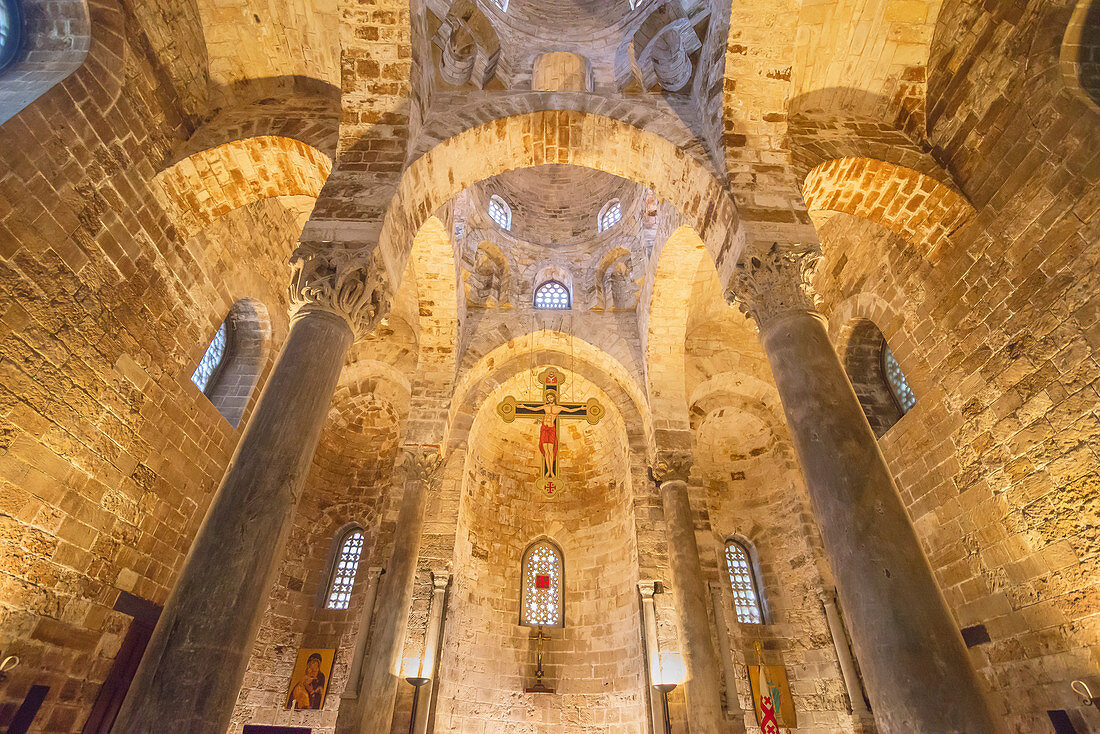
<point x="430" y="664"/>
<point x="653" y="652"/>
<point x="704" y="697"/>
<point x="916" y="667"/>
<point x="195" y="662"/>
<point x="381" y="669"/>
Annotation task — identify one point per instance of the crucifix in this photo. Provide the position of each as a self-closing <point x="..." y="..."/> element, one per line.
<point x="548" y="412"/>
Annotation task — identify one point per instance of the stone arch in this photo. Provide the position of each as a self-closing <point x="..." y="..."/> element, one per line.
<point x="437" y="299"/>
<point x="206" y="185"/>
<point x="1079" y="55"/>
<point x="57" y="37"/>
<point x="548" y="348"/>
<point x="666" y="333"/>
<point x="567" y="137"/>
<point x="249" y="337"/>
<point x="911" y="204"/>
<point x="734" y="389"/>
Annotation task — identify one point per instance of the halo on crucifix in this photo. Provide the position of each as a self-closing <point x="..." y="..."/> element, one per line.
<point x="548" y="412"/>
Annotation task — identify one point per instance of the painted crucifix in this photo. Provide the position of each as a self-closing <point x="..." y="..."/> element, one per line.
<point x="548" y="412"/>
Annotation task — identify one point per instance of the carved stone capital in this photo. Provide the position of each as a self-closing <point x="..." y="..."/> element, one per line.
<point x="776" y="282"/>
<point x="440" y="580"/>
<point x="670" y="466"/>
<point x="648" y="588"/>
<point x="351" y="284"/>
<point x="422" y="464"/>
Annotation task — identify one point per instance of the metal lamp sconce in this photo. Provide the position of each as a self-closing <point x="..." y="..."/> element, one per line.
<point x="1082" y="689"/>
<point x="7" y="664"/>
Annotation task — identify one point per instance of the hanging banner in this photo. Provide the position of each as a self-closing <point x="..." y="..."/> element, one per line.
<point x="778" y="689"/>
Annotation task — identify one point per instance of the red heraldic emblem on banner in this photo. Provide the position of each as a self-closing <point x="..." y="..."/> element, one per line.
<point x="768" y="723"/>
<point x="542" y="581"/>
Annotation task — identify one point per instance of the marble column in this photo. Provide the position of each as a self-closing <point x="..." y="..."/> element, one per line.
<point x="653" y="654"/>
<point x="725" y="653"/>
<point x="191" y="673"/>
<point x="689" y="590"/>
<point x="381" y="670"/>
<point x="843" y="654"/>
<point x="430" y="665"/>
<point x="916" y="667"/>
<point x="370" y="593"/>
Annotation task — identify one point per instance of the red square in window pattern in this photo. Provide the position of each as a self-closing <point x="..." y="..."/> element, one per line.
<point x="542" y="581"/>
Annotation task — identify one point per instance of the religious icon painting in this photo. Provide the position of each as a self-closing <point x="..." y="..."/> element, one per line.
<point x="310" y="680"/>
<point x="779" y="691"/>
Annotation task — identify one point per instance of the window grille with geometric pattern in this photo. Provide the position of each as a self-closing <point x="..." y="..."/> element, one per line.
<point x="552" y="295"/>
<point x="541" y="586"/>
<point x="610" y="216"/>
<point x="11" y="27"/>
<point x="895" y="378"/>
<point x="500" y="212"/>
<point x="343" y="573"/>
<point x="746" y="598"/>
<point x="212" y="358"/>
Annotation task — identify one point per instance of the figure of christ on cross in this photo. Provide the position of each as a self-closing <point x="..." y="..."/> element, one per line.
<point x="548" y="412"/>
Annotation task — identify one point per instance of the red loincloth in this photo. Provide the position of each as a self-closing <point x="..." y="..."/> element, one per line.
<point x="547" y="434"/>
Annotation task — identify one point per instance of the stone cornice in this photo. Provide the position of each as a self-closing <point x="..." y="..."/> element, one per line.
<point x="776" y="282"/>
<point x="351" y="284"/>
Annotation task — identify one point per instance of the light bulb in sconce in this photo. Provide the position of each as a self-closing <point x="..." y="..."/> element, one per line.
<point x="672" y="669"/>
<point x="410" y="667"/>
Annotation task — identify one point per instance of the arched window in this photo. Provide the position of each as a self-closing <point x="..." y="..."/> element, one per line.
<point x="41" y="43"/>
<point x="541" y="586"/>
<point x="213" y="359"/>
<point x="11" y="31"/>
<point x="344" y="566"/>
<point x="553" y="295"/>
<point x="883" y="392"/>
<point x="610" y="215"/>
<point x="746" y="592"/>
<point x="500" y="212"/>
<point x="895" y="378"/>
<point x="231" y="365"/>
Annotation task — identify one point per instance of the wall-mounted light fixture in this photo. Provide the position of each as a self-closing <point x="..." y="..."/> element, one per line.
<point x="414" y="676"/>
<point x="1081" y="688"/>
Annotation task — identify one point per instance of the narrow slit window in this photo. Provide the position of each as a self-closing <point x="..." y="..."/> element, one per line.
<point x="541" y="586"/>
<point x="610" y="216"/>
<point x="500" y="212"/>
<point x="10" y="31"/>
<point x="895" y="378"/>
<point x="212" y="359"/>
<point x="344" y="568"/>
<point x="746" y="597"/>
<point x="552" y="295"/>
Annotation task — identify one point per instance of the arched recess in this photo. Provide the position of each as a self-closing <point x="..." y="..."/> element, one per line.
<point x="592" y="519"/>
<point x="914" y="205"/>
<point x="1079" y="56"/>
<point x="666" y="332"/>
<point x="56" y="38"/>
<point x="566" y="137"/>
<point x="208" y="184"/>
<point x="549" y="348"/>
<point x="249" y="344"/>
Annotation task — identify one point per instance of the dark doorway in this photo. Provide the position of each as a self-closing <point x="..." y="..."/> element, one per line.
<point x="109" y="700"/>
